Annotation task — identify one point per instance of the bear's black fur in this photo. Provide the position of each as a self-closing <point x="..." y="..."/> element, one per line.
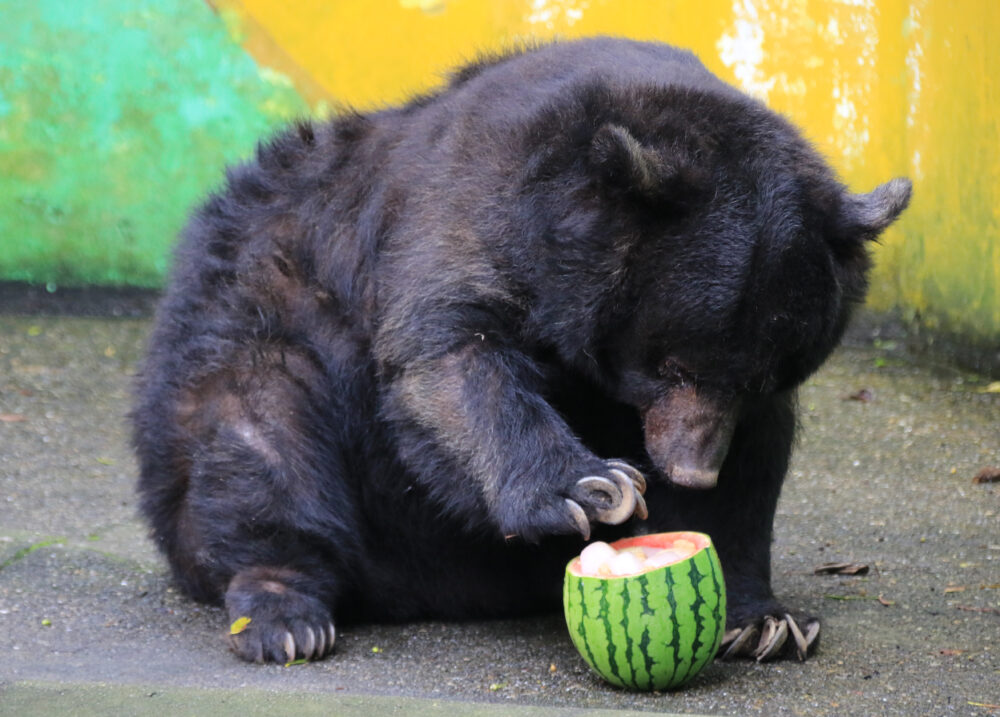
<point x="407" y="359"/>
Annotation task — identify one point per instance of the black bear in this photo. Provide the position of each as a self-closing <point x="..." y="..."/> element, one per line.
<point x="409" y="361"/>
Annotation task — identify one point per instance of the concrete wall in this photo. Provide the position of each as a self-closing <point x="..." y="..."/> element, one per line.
<point x="115" y="115"/>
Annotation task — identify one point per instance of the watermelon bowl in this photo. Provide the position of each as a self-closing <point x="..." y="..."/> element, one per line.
<point x="647" y="624"/>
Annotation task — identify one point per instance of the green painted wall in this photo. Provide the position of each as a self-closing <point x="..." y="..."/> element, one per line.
<point x="115" y="117"/>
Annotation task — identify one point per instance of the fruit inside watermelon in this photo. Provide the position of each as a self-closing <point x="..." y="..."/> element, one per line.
<point x="647" y="612"/>
<point x="639" y="555"/>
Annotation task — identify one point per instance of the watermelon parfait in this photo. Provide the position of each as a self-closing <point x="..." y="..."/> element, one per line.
<point x="647" y="612"/>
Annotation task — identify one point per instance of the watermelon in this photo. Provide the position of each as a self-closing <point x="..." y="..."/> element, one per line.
<point x="650" y="630"/>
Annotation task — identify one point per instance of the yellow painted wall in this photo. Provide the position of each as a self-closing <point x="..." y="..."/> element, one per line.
<point x="886" y="88"/>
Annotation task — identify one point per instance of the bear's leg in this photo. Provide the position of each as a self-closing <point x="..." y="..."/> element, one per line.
<point x="475" y="428"/>
<point x="265" y="521"/>
<point x="739" y="514"/>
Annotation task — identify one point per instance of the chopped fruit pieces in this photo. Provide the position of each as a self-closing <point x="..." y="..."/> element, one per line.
<point x="601" y="560"/>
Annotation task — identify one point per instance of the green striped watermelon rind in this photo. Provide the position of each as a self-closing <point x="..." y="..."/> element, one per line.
<point x="651" y="631"/>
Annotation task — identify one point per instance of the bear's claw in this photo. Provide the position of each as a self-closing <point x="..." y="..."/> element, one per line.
<point x="579" y="518"/>
<point x="616" y="500"/>
<point x="773" y="642"/>
<point x="289" y="645"/>
<point x="611" y="500"/>
<point x="803" y="642"/>
<point x="634" y="475"/>
<point x="772" y="639"/>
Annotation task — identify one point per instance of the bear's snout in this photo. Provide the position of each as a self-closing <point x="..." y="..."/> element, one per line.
<point x="688" y="433"/>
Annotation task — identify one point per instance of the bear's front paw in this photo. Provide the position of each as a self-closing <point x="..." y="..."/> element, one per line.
<point x="772" y="636"/>
<point x="274" y="622"/>
<point x="611" y="498"/>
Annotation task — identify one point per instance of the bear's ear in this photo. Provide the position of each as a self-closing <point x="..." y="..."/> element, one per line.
<point x="869" y="214"/>
<point x="627" y="163"/>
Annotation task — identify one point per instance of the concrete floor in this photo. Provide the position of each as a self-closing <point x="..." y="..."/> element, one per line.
<point x="89" y="622"/>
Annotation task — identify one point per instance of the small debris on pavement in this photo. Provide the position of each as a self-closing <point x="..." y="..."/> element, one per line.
<point x="989" y="474"/>
<point x="972" y="608"/>
<point x="841" y="569"/>
<point x="864" y="395"/>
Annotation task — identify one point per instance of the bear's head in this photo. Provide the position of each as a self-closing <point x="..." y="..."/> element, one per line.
<point x="729" y="260"/>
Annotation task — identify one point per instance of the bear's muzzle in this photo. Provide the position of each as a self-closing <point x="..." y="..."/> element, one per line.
<point x="688" y="433"/>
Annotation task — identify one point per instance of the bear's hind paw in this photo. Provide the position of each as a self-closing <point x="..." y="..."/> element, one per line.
<point x="274" y="622"/>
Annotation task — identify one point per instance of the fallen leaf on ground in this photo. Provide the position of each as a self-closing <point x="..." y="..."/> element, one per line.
<point x="885" y="602"/>
<point x="864" y="395"/>
<point x="841" y="569"/>
<point x="971" y="608"/>
<point x="239" y="625"/>
<point x="950" y="653"/>
<point x="991" y="388"/>
<point x="850" y="597"/>
<point x="12" y="417"/>
<point x="989" y="474"/>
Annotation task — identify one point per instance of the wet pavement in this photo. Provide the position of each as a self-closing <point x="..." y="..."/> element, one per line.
<point x="883" y="476"/>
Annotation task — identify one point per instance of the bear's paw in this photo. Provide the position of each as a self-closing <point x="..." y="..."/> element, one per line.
<point x="274" y="622"/>
<point x="612" y="498"/>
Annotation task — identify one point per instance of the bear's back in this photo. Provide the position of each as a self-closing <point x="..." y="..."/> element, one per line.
<point x="510" y="88"/>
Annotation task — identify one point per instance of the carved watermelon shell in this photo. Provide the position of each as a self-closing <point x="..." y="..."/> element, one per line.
<point x="654" y="630"/>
